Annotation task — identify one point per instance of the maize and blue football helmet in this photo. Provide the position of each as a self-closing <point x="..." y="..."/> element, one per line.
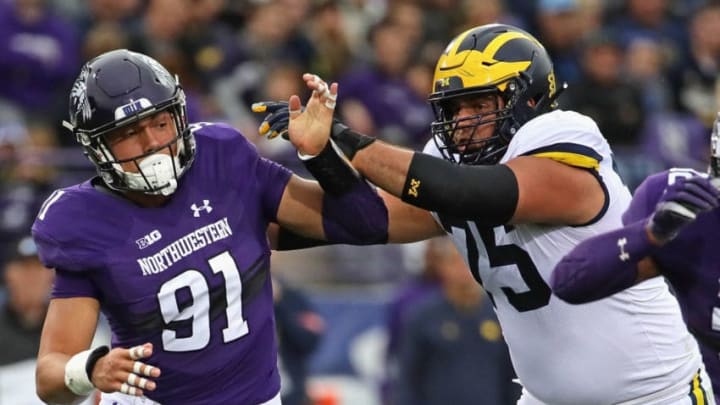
<point x="490" y="59"/>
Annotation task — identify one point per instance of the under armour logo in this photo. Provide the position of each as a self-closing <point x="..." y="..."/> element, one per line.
<point x="624" y="256"/>
<point x="414" y="184"/>
<point x="205" y="207"/>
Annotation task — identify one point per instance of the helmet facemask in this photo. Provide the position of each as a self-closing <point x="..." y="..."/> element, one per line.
<point x="467" y="148"/>
<point x="715" y="148"/>
<point x="155" y="172"/>
<point x="507" y="119"/>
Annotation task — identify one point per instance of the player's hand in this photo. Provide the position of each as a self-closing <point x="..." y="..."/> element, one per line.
<point x="308" y="128"/>
<point x="122" y="370"/>
<point x="680" y="205"/>
<point x="277" y="119"/>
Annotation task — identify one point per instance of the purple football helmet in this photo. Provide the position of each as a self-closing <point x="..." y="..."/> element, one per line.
<point x="119" y="88"/>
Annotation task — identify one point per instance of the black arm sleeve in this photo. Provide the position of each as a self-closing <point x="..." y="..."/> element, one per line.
<point x="487" y="194"/>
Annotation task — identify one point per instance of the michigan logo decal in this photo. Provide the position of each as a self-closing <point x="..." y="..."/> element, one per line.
<point x="552" y="87"/>
<point x="414" y="185"/>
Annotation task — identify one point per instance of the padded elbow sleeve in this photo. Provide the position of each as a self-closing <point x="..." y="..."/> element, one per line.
<point x="357" y="217"/>
<point x="487" y="194"/>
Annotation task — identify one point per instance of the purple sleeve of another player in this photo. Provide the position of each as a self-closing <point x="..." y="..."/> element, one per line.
<point x="606" y="264"/>
<point x="645" y="198"/>
<point x="357" y="217"/>
<point x="602" y="265"/>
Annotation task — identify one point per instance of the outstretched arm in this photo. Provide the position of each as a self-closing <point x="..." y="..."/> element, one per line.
<point x="350" y="210"/>
<point x="515" y="192"/>
<point x="347" y="209"/>
<point x="606" y="264"/>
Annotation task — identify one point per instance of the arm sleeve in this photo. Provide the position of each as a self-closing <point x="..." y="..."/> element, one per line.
<point x="487" y="194"/>
<point x="606" y="264"/>
<point x="602" y="265"/>
<point x="645" y="198"/>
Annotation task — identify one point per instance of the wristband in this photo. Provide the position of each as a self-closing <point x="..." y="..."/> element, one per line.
<point x="349" y="141"/>
<point x="79" y="369"/>
<point x="95" y="355"/>
<point x="76" y="378"/>
<point x="332" y="170"/>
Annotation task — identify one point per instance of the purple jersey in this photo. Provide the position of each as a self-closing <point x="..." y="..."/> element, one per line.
<point x="174" y="275"/>
<point x="691" y="264"/>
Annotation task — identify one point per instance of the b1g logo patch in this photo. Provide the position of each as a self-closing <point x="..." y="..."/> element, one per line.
<point x="148" y="239"/>
<point x="132" y="108"/>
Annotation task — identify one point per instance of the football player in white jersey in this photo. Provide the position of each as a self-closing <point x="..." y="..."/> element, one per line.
<point x="519" y="184"/>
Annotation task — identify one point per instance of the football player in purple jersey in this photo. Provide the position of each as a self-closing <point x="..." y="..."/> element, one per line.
<point x="671" y="228"/>
<point x="170" y="241"/>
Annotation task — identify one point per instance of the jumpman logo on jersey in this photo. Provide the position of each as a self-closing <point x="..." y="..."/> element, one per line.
<point x="624" y="256"/>
<point x="205" y="207"/>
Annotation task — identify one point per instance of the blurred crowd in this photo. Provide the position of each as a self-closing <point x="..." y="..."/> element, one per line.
<point x="645" y="70"/>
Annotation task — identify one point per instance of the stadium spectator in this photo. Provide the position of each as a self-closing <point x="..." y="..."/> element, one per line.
<point x="452" y="350"/>
<point x="39" y="52"/>
<point x="698" y="71"/>
<point x="27" y="284"/>
<point x="378" y="98"/>
<point x="403" y="303"/>
<point x="300" y="329"/>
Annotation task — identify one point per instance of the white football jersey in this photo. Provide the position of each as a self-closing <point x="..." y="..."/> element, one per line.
<point x="617" y="349"/>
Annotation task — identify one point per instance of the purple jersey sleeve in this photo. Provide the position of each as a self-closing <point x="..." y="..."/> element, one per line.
<point x="646" y="197"/>
<point x="242" y="158"/>
<point x="69" y="284"/>
<point x="73" y="228"/>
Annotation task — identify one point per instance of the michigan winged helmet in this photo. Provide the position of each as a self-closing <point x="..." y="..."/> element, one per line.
<point x="490" y="59"/>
